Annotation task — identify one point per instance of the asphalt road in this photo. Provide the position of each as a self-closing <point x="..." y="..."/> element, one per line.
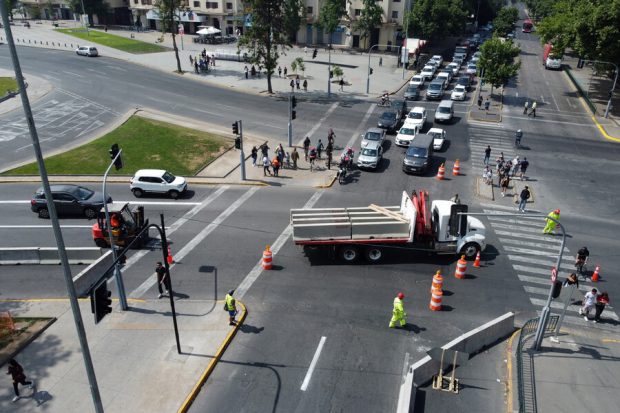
<point x="293" y="307"/>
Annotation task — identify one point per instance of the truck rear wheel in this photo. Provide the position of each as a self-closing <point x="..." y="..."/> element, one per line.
<point x="349" y="253"/>
<point x="470" y="250"/>
<point x="373" y="254"/>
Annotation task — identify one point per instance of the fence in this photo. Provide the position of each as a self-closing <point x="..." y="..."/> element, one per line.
<point x="525" y="367"/>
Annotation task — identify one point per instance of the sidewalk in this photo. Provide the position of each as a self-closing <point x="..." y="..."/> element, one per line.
<point x="36" y="87"/>
<point x="134" y="354"/>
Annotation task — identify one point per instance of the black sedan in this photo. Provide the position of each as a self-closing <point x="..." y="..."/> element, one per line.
<point x="412" y="92"/>
<point x="389" y="121"/>
<point x="69" y="200"/>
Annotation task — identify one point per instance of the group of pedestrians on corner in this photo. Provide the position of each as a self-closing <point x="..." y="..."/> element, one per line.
<point x="312" y="153"/>
<point x="282" y="159"/>
<point x="202" y="62"/>
<point x="487" y="102"/>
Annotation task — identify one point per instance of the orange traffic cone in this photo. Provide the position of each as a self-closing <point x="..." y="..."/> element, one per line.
<point x="461" y="267"/>
<point x="441" y="173"/>
<point x="477" y="260"/>
<point x="596" y="274"/>
<point x="437" y="281"/>
<point x="267" y="258"/>
<point x="435" y="304"/>
<point x="457" y="168"/>
<point x="169" y="257"/>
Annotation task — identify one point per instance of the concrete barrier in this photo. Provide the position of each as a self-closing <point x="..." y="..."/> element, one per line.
<point x="471" y="342"/>
<point x="89" y="276"/>
<point x="47" y="255"/>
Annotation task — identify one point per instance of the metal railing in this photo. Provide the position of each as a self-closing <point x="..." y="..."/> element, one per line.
<point x="525" y="368"/>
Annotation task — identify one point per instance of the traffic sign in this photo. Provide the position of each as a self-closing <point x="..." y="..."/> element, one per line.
<point x="554" y="274"/>
<point x="181" y="30"/>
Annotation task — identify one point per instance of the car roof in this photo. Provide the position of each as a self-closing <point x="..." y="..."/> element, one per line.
<point x="435" y="130"/>
<point x="150" y="172"/>
<point x="389" y="112"/>
<point x="417" y="109"/>
<point x="373" y="145"/>
<point x="375" y="130"/>
<point x="60" y="188"/>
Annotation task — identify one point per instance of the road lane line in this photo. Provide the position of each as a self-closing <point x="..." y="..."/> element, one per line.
<point x="71" y="73"/>
<point x="15" y="202"/>
<point x="157" y="203"/>
<point x="176" y="224"/>
<point x="315" y="359"/>
<point x="193" y="243"/>
<point x="357" y="132"/>
<point x="252" y="276"/>
<point x="319" y="123"/>
<point x="406" y="383"/>
<point x="41" y="226"/>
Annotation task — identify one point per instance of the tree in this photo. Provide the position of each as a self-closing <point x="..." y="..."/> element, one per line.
<point x="497" y="60"/>
<point x="330" y="15"/>
<point x="269" y="34"/>
<point x="293" y="12"/>
<point x="437" y="18"/>
<point x="505" y="21"/>
<point x="370" y="18"/>
<point x="10" y="5"/>
<point x="298" y="63"/>
<point x="167" y="10"/>
<point x="337" y="71"/>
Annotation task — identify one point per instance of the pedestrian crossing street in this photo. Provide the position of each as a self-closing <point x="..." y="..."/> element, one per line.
<point x="532" y="255"/>
<point x="494" y="135"/>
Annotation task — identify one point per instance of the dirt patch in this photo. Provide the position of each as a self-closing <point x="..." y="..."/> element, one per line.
<point x="26" y="331"/>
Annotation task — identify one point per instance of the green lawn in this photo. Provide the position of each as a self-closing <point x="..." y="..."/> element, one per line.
<point x="145" y="143"/>
<point x="7" y="84"/>
<point x="117" y="42"/>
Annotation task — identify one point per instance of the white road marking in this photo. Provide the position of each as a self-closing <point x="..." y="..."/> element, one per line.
<point x="41" y="226"/>
<point x="547" y="281"/>
<point x="530" y="252"/>
<point x="315" y="359"/>
<point x="357" y="132"/>
<point x="319" y="123"/>
<point x="585" y="125"/>
<point x="530" y="260"/>
<point x="537" y="290"/>
<point x="504" y="207"/>
<point x="518" y="229"/>
<point x="15" y="202"/>
<point x="537" y="245"/>
<point x="116" y="68"/>
<point x="193" y="243"/>
<point x="252" y="276"/>
<point x="180" y="203"/>
<point x="72" y="74"/>
<point x="544" y="272"/>
<point x="531" y="237"/>
<point x="404" y="394"/>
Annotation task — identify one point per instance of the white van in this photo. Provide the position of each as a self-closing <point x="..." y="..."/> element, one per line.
<point x="445" y="111"/>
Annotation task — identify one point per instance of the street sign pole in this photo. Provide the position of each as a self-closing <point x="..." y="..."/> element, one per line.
<point x="566" y="303"/>
<point x="241" y="154"/>
<point x="290" y="120"/>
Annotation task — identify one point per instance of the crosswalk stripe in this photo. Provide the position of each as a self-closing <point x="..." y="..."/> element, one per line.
<point x="536" y="290"/>
<point x="572" y="308"/>
<point x="494" y="207"/>
<point x="519" y="229"/>
<point x="515" y="220"/>
<point x="505" y="216"/>
<point x="545" y="272"/>
<point x="532" y="237"/>
<point x="547" y="281"/>
<point x="495" y="149"/>
<point x="530" y="260"/>
<point x="539" y="245"/>
<point x="532" y="252"/>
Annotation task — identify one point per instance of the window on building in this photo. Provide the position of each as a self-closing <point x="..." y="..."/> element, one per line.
<point x="395" y="15"/>
<point x="196" y="4"/>
<point x="229" y="6"/>
<point x="214" y="5"/>
<point x="309" y="10"/>
<point x="358" y="12"/>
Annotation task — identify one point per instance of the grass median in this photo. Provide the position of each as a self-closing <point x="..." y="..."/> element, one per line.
<point x="146" y="144"/>
<point x="116" y="42"/>
<point x="7" y="84"/>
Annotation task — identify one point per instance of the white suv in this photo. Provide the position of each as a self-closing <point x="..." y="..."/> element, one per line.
<point x="416" y="118"/>
<point x="157" y="181"/>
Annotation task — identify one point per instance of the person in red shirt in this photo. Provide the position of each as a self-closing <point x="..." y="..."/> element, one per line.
<point x="601" y="301"/>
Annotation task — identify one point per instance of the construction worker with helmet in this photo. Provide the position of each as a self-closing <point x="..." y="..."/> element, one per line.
<point x="550" y="223"/>
<point x="398" y="313"/>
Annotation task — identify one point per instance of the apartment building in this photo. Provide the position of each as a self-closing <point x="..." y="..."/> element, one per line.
<point x="118" y="11"/>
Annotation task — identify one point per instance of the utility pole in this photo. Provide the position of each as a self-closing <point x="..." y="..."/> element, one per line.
<point x="241" y="154"/>
<point x="62" y="253"/>
<point x="329" y="68"/>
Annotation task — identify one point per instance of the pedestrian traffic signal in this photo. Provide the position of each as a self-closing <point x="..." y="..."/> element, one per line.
<point x="235" y="128"/>
<point x="557" y="289"/>
<point x="118" y="161"/>
<point x="237" y="143"/>
<point x="293" y="101"/>
<point x="314" y="53"/>
<point x="100" y="302"/>
<point x="331" y="74"/>
<point x="293" y="114"/>
<point x="580" y="63"/>
<point x="371" y="70"/>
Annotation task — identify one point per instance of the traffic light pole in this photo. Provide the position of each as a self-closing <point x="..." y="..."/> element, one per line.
<point x="290" y="120"/>
<point x="566" y="303"/>
<point x="369" y="53"/>
<point x="164" y="249"/>
<point x="122" y="298"/>
<point x="241" y="154"/>
<point x="329" y="69"/>
<point x="62" y="253"/>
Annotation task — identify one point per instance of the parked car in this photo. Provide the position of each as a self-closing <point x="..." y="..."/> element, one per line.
<point x="472" y="69"/>
<point x="90" y="51"/>
<point x="406" y="134"/>
<point x="439" y="137"/>
<point x="459" y="93"/>
<point x="455" y="67"/>
<point x="416" y="117"/>
<point x="373" y="135"/>
<point x="465" y="81"/>
<point x="412" y="92"/>
<point x="157" y="181"/>
<point x="389" y="121"/>
<point x="370" y="156"/>
<point x="417" y="80"/>
<point x="427" y="72"/>
<point x="69" y="199"/>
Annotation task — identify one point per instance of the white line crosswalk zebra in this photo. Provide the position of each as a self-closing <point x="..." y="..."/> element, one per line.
<point x="532" y="255"/>
<point x="497" y="138"/>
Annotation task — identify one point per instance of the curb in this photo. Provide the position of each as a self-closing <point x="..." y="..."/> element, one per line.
<point x="327" y="185"/>
<point x="187" y="403"/>
<point x="32" y="338"/>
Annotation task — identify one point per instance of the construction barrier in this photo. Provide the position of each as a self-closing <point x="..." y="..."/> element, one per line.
<point x="441" y="173"/>
<point x="267" y="258"/>
<point x="596" y="274"/>
<point x="457" y="168"/>
<point x="461" y="267"/>
<point x="477" y="260"/>
<point x="437" y="281"/>
<point x="435" y="304"/>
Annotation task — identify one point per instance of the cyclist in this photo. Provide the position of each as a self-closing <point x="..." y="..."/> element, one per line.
<point x="312" y="156"/>
<point x="582" y="258"/>
<point x="385" y="99"/>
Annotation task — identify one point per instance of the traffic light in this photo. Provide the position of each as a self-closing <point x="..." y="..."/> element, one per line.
<point x="331" y="74"/>
<point x="100" y="302"/>
<point x="314" y="53"/>
<point x="293" y="114"/>
<point x="371" y="70"/>
<point x="235" y="128"/>
<point x="557" y="289"/>
<point x="114" y="150"/>
<point x="293" y="101"/>
<point x="237" y="143"/>
<point x="580" y="63"/>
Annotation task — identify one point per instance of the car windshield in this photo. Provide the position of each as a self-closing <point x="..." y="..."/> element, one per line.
<point x="168" y="177"/>
<point x="388" y="115"/>
<point x="459" y="88"/>
<point x="407" y="131"/>
<point x="369" y="152"/>
<point x="417" y="78"/>
<point x="82" y="193"/>
<point x="472" y="66"/>
<point x="415" y="115"/>
<point x="414" y="152"/>
<point x="443" y="109"/>
<point x="434" y="86"/>
<point x="427" y="69"/>
<point x="372" y="136"/>
<point x="463" y="81"/>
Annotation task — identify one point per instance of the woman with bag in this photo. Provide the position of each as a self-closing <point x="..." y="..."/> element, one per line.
<point x="17" y="373"/>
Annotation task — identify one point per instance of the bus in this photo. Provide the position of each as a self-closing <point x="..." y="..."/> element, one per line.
<point x="527" y="26"/>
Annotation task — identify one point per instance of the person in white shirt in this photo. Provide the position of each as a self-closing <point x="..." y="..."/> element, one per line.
<point x="589" y="301"/>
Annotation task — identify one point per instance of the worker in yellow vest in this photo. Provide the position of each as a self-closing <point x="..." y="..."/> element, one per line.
<point x="398" y="313"/>
<point x="231" y="307"/>
<point x="550" y="223"/>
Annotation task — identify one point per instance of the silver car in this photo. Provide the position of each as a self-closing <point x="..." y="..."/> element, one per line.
<point x="370" y="156"/>
<point x="373" y="135"/>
